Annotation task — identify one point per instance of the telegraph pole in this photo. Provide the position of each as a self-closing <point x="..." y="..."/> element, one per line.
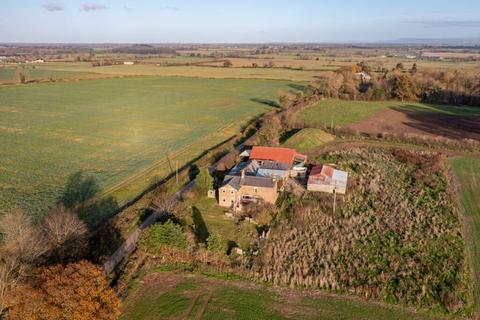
<point x="335" y="197"/>
<point x="176" y="171"/>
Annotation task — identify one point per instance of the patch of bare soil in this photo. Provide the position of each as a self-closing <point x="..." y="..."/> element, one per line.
<point x="414" y="123"/>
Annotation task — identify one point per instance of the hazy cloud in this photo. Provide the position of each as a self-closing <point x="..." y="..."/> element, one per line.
<point x="446" y="23"/>
<point x="169" y="8"/>
<point x="129" y="9"/>
<point x="52" y="6"/>
<point x="92" y="7"/>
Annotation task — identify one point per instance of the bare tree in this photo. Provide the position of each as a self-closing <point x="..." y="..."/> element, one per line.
<point x="65" y="233"/>
<point x="22" y="245"/>
<point x="163" y="203"/>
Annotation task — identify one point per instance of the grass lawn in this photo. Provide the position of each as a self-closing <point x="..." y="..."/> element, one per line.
<point x="308" y="139"/>
<point x="164" y="295"/>
<point x="114" y="129"/>
<point x="340" y="113"/>
<point x="467" y="171"/>
<point x="208" y="211"/>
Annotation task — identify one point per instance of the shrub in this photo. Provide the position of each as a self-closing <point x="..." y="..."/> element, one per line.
<point x="214" y="243"/>
<point x="167" y="234"/>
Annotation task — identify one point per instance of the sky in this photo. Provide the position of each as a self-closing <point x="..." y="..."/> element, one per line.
<point x="232" y="21"/>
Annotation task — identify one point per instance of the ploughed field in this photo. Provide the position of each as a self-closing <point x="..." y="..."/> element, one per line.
<point x="395" y="118"/>
<point x="112" y="129"/>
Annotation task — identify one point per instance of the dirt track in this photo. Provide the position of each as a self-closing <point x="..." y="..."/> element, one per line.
<point x="428" y="124"/>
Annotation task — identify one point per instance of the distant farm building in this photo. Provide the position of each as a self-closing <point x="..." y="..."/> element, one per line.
<point x="365" y="77"/>
<point x="324" y="178"/>
<point x="128" y="63"/>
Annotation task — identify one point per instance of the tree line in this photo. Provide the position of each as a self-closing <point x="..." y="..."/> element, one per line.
<point x="359" y="82"/>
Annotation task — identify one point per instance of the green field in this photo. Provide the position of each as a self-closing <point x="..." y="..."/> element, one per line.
<point x="308" y="139"/>
<point x="339" y="113"/>
<point x="161" y="295"/>
<point x="467" y="171"/>
<point x="113" y="129"/>
<point x="8" y="74"/>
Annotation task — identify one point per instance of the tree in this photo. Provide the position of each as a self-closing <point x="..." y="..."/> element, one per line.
<point x="269" y="133"/>
<point x="66" y="234"/>
<point x="414" y="69"/>
<point x="399" y="66"/>
<point x="21" y="247"/>
<point x="403" y="87"/>
<point x="21" y="74"/>
<point x="77" y="291"/>
<point x="214" y="243"/>
<point x="227" y="64"/>
<point x="204" y="181"/>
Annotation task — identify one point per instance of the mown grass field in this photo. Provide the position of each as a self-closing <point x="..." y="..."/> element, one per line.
<point x="467" y="171"/>
<point x="308" y="139"/>
<point x="339" y="113"/>
<point x="162" y="295"/>
<point x="113" y="129"/>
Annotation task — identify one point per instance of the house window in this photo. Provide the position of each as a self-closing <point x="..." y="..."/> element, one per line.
<point x="224" y="200"/>
<point x="231" y="192"/>
<point x="255" y="189"/>
<point x="223" y="190"/>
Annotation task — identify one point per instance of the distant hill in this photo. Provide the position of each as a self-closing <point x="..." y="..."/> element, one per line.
<point x="143" y="49"/>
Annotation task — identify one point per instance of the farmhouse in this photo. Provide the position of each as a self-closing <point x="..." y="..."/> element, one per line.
<point x="239" y="191"/>
<point x="269" y="170"/>
<point x="261" y="177"/>
<point x="324" y="178"/>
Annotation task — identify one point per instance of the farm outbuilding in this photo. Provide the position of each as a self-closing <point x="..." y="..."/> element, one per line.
<point x="324" y="178"/>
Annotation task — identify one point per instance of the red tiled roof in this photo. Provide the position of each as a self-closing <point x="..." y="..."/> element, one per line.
<point x="282" y="155"/>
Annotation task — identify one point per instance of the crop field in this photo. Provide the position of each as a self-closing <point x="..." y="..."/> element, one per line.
<point x="113" y="129"/>
<point x="188" y="71"/>
<point x="7" y="74"/>
<point x="467" y="171"/>
<point x="165" y="295"/>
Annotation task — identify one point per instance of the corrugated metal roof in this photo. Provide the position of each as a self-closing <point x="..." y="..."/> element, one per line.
<point x="263" y="172"/>
<point x="253" y="181"/>
<point x="322" y="174"/>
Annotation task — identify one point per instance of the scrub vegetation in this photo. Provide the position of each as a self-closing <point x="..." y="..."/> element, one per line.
<point x="395" y="236"/>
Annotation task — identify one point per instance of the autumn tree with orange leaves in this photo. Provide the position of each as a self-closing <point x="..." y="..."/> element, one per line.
<point x="77" y="291"/>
